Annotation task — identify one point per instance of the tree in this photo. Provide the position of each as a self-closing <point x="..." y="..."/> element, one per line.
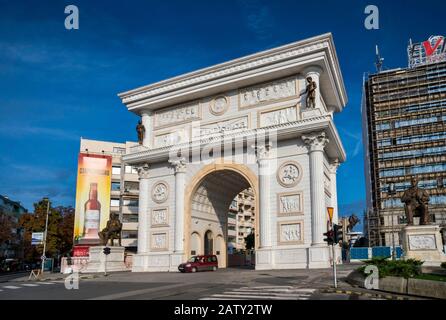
<point x="250" y="241"/>
<point x="60" y="230"/>
<point x="7" y="235"/>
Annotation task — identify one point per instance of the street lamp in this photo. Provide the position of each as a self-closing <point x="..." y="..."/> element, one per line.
<point x="392" y="192"/>
<point x="46" y="231"/>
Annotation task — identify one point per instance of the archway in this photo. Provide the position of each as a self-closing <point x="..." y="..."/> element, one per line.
<point x="210" y="195"/>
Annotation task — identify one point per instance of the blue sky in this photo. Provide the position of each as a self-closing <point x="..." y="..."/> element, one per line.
<point x="58" y="85"/>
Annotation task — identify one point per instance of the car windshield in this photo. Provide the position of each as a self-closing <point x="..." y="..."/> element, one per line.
<point x="193" y="259"/>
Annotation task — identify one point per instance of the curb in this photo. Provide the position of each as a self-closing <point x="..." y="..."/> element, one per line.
<point x="366" y="294"/>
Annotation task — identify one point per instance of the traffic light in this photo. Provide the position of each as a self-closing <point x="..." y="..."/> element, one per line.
<point x="106" y="250"/>
<point x="337" y="233"/>
<point x="329" y="237"/>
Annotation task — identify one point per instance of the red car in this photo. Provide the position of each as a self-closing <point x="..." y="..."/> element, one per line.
<point x="199" y="263"/>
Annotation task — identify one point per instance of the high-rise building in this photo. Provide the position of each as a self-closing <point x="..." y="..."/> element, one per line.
<point x="404" y="132"/>
<point x="241" y="219"/>
<point x="124" y="186"/>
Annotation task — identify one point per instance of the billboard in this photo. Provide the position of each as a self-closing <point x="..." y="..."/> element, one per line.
<point x="92" y="196"/>
<point x="36" y="238"/>
<point x="432" y="50"/>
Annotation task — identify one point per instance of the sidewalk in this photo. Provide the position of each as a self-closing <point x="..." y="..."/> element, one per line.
<point x="48" y="276"/>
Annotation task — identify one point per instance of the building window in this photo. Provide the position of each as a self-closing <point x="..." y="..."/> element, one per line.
<point x="127" y="234"/>
<point x="129" y="218"/>
<point x="116" y="170"/>
<point x="116" y="186"/>
<point x="130" y="202"/>
<point x="118" y="150"/>
<point x="114" y="203"/>
<point x="130" y="169"/>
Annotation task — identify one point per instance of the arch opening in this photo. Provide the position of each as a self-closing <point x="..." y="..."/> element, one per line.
<point x="219" y="211"/>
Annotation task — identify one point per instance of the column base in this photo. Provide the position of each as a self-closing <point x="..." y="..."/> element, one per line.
<point x="97" y="260"/>
<point x="264" y="259"/>
<point x="157" y="262"/>
<point x="423" y="242"/>
<point x="319" y="257"/>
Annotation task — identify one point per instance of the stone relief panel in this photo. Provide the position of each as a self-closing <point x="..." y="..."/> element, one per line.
<point x="290" y="232"/>
<point x="219" y="105"/>
<point x="289" y="174"/>
<point x="221" y="126"/>
<point x="277" y="116"/>
<point x="159" y="241"/>
<point x="160" y="192"/>
<point x="422" y="242"/>
<point x="177" y="115"/>
<point x="290" y="203"/>
<point x="271" y="91"/>
<point x="170" y="138"/>
<point x="160" y="217"/>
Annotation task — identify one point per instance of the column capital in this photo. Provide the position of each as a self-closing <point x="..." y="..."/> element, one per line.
<point x="143" y="171"/>
<point x="334" y="165"/>
<point x="179" y="164"/>
<point x="308" y="71"/>
<point x="316" y="141"/>
<point x="263" y="151"/>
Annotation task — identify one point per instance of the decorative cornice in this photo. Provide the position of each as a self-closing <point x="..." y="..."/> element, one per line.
<point x="230" y="70"/>
<point x="316" y="141"/>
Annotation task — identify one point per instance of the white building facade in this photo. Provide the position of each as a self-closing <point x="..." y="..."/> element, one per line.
<point x="213" y="133"/>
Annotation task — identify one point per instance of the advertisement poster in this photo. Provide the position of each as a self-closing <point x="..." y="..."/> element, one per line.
<point x="36" y="238"/>
<point x="92" y="196"/>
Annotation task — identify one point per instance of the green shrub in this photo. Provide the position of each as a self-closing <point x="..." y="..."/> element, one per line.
<point x="396" y="268"/>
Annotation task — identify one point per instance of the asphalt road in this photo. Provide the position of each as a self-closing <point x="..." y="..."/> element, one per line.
<point x="224" y="284"/>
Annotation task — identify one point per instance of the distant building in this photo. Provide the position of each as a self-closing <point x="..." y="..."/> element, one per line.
<point x="124" y="186"/>
<point x="12" y="209"/>
<point x="241" y="219"/>
<point x="404" y="130"/>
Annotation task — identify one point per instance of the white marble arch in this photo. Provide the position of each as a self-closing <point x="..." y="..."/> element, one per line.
<point x="264" y="96"/>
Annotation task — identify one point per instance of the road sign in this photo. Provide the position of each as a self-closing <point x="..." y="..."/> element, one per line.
<point x="36" y="238"/>
<point x="43" y="257"/>
<point x="330" y="213"/>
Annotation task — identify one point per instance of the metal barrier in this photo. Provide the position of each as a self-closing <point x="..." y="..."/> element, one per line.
<point x="358" y="254"/>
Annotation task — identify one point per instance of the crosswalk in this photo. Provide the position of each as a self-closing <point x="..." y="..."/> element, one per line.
<point x="264" y="293"/>
<point x="18" y="286"/>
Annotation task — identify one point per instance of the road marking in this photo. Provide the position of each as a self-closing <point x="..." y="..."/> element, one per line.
<point x="41" y="282"/>
<point x="30" y="285"/>
<point x="268" y="293"/>
<point x="11" y="287"/>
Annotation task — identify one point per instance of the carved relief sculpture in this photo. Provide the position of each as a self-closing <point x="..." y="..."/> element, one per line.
<point x="266" y="92"/>
<point x="219" y="105"/>
<point x="160" y="192"/>
<point x="289" y="174"/>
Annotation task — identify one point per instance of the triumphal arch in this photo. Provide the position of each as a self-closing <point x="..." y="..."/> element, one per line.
<point x="264" y="122"/>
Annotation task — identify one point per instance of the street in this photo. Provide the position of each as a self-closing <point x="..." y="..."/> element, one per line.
<point x="224" y="284"/>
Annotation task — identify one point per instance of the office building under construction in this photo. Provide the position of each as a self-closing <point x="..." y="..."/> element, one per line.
<point x="404" y="131"/>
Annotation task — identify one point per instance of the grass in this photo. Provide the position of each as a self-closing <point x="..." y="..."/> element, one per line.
<point x="430" y="276"/>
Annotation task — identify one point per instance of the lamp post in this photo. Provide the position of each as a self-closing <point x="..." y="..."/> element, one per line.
<point x="392" y="192"/>
<point x="46" y="231"/>
<point x="330" y="211"/>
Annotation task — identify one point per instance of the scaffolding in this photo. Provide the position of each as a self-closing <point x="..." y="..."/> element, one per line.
<point x="405" y="136"/>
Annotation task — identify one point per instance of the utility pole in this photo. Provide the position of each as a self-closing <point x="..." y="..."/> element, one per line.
<point x="46" y="232"/>
<point x="392" y="192"/>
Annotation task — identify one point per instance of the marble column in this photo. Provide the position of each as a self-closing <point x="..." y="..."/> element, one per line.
<point x="333" y="168"/>
<point x="146" y="119"/>
<point x="316" y="142"/>
<point x="180" y="182"/>
<point x="143" y="209"/>
<point x="263" y="160"/>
